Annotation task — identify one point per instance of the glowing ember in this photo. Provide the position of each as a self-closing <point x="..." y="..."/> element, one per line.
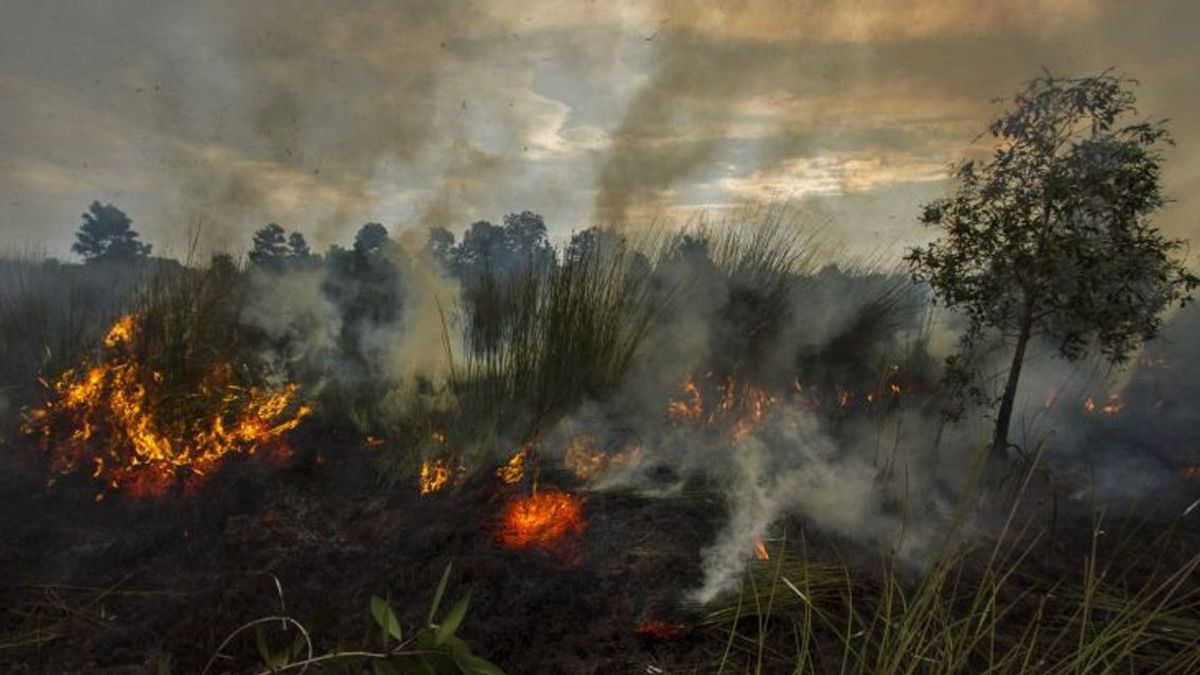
<point x="1111" y="407"/>
<point x="514" y="469"/>
<point x="844" y="397"/>
<point x="436" y="474"/>
<point x="118" y="418"/>
<point x="542" y="520"/>
<point x="660" y="629"/>
<point x="760" y="549"/>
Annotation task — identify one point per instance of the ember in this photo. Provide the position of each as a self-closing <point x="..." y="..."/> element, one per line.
<point x="542" y="520"/>
<point x="660" y="629"/>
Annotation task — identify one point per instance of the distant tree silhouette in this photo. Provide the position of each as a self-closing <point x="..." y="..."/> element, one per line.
<point x="440" y="246"/>
<point x="106" y="235"/>
<point x="1051" y="237"/>
<point x="518" y="244"/>
<point x="298" y="246"/>
<point x="370" y="237"/>
<point x="526" y="239"/>
<point x="275" y="249"/>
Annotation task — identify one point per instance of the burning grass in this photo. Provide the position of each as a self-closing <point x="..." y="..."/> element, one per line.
<point x="123" y="422"/>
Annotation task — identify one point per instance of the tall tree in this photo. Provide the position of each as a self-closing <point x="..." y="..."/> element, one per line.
<point x="1051" y="236"/>
<point x="270" y="246"/>
<point x="106" y="235"/>
<point x="370" y="237"/>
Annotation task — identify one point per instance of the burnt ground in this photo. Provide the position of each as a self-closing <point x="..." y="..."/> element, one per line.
<point x="115" y="585"/>
<point x="111" y="587"/>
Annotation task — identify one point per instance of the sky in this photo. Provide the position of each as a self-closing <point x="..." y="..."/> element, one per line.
<point x="213" y="118"/>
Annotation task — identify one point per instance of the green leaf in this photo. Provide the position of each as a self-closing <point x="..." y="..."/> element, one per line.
<point x="450" y="624"/>
<point x="473" y="665"/>
<point x="298" y="645"/>
<point x="271" y="660"/>
<point x="164" y="666"/>
<point x="437" y="596"/>
<point x="382" y="612"/>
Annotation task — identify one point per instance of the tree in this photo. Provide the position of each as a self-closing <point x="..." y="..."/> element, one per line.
<point x="270" y="246"/>
<point x="275" y="249"/>
<point x="106" y="235"/>
<point x="1051" y="236"/>
<point x="370" y="237"/>
<point x="298" y="246"/>
<point x="440" y="246"/>
<point x="526" y="239"/>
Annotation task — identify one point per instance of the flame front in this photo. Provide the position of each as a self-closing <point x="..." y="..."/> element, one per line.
<point x="742" y="406"/>
<point x="109" y="418"/>
<point x="542" y="520"/>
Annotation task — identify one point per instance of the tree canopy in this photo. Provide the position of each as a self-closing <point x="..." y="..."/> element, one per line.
<point x="106" y="235"/>
<point x="1051" y="236"/>
<point x="275" y="249"/>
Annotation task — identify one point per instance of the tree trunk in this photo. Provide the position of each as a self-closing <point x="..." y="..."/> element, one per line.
<point x="998" y="456"/>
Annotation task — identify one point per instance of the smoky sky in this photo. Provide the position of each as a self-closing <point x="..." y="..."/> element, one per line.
<point x="219" y="117"/>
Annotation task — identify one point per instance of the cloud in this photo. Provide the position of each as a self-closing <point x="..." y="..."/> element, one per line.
<point x="447" y="111"/>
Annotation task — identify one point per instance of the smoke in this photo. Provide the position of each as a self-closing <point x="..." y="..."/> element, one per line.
<point x="743" y="327"/>
<point x="369" y="339"/>
<point x="294" y="311"/>
<point x="421" y="341"/>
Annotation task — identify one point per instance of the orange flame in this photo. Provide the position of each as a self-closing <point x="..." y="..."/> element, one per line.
<point x="1111" y="407"/>
<point x="583" y="458"/>
<point x="110" y="418"/>
<point x="760" y="549"/>
<point x="742" y="406"/>
<point x="691" y="407"/>
<point x="542" y="520"/>
<point x="436" y="474"/>
<point x="514" y="469"/>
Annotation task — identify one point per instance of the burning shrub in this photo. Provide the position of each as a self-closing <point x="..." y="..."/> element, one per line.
<point x="137" y="431"/>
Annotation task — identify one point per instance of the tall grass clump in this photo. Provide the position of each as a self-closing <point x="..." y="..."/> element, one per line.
<point x="1123" y="602"/>
<point x="542" y="340"/>
<point x="52" y="313"/>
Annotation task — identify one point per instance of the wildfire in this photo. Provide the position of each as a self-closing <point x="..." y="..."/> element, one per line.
<point x="436" y="474"/>
<point x="691" y="407"/>
<point x="115" y="418"/>
<point x="583" y="458"/>
<point x="760" y="549"/>
<point x="514" y="469"/>
<point x="541" y="520"/>
<point x="742" y="406"/>
<point x="1111" y="407"/>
